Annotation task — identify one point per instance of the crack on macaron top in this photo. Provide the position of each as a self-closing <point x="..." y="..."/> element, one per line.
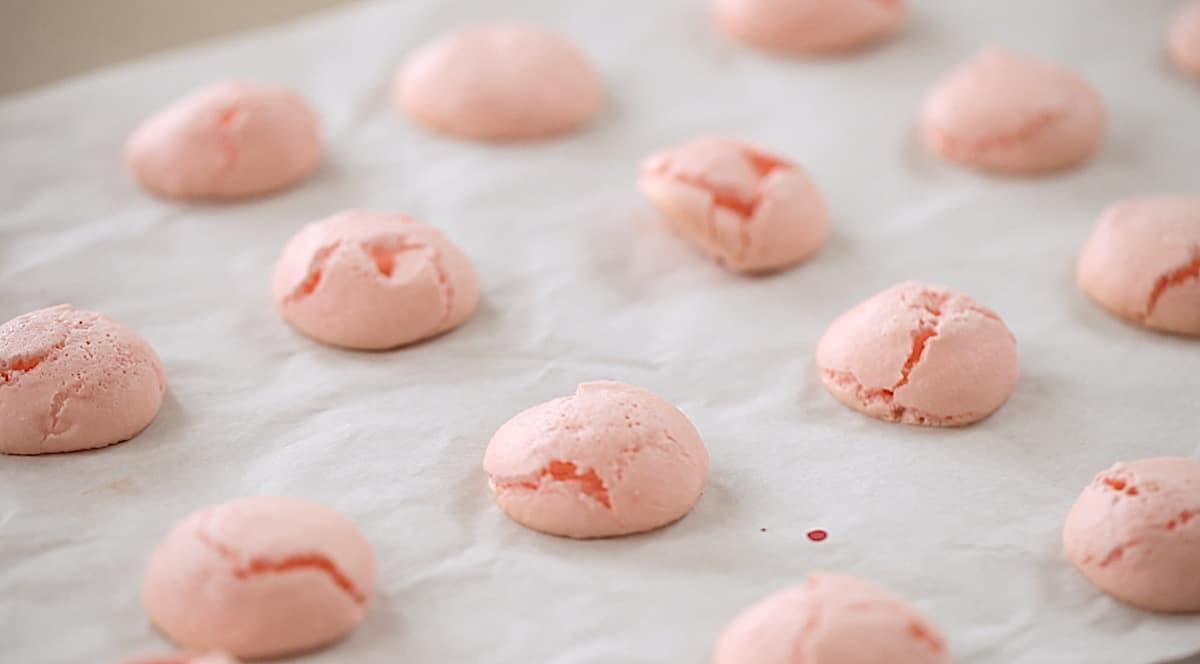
<point x="57" y="403"/>
<point x="588" y="482"/>
<point x="57" y="334"/>
<point x="730" y="173"/>
<point x="1177" y="277"/>
<point x="931" y="307"/>
<point x="1122" y="483"/>
<point x="922" y="632"/>
<point x="1010" y="112"/>
<point x="382" y="250"/>
<point x="965" y="146"/>
<point x="385" y="249"/>
<point x="1035" y="83"/>
<point x="315" y="272"/>
<point x="12" y="368"/>
<point x="244" y="568"/>
<point x="229" y="120"/>
<point x="591" y="483"/>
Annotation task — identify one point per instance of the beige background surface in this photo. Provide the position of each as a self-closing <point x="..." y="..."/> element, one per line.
<point x="42" y="41"/>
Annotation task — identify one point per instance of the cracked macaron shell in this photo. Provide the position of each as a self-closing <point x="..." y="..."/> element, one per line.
<point x="229" y="139"/>
<point x="1134" y="533"/>
<point x="373" y="281"/>
<point x="611" y="459"/>
<point x="831" y="619"/>
<point x="1183" y="39"/>
<point x="260" y="577"/>
<point x="1142" y="262"/>
<point x="809" y="26"/>
<point x="1009" y="113"/>
<point x="920" y="354"/>
<point x="74" y="380"/>
<point x="749" y="209"/>
<point x="503" y="81"/>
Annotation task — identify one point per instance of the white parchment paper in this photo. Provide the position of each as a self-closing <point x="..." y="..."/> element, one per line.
<point x="581" y="282"/>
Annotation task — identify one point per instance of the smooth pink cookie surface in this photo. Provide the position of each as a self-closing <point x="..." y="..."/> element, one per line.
<point x="920" y="354"/>
<point x="801" y="26"/>
<point x="373" y="281"/>
<point x="611" y="459"/>
<point x="226" y="140"/>
<point x="749" y="209"/>
<point x="831" y="619"/>
<point x="74" y="380"/>
<point x="1183" y="39"/>
<point x="213" y="658"/>
<point x="1142" y="262"/>
<point x="505" y="81"/>
<point x="260" y="577"/>
<point x="1009" y="113"/>
<point x="1135" y="533"/>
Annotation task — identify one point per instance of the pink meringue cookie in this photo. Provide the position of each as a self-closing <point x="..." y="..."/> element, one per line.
<point x="373" y="281"/>
<point x="831" y="619"/>
<point x="226" y="140"/>
<point x="808" y="26"/>
<point x="260" y="577"/>
<point x="611" y="459"/>
<point x="499" y="82"/>
<point x="920" y="354"/>
<point x="1142" y="262"/>
<point x="185" y="658"/>
<point x="1135" y="533"/>
<point x="74" y="380"/>
<point x="1013" y="114"/>
<point x="1183" y="39"/>
<point x="749" y="209"/>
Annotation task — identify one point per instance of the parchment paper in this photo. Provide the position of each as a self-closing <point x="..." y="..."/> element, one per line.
<point x="581" y="282"/>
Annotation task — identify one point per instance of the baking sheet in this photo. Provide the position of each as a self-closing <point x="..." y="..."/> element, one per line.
<point x="581" y="282"/>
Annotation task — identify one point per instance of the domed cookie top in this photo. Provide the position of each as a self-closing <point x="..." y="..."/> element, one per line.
<point x="831" y="619"/>
<point x="1009" y="113"/>
<point x="260" y="577"/>
<point x="920" y="354"/>
<point x="498" y="82"/>
<point x="611" y="459"/>
<point x="373" y="280"/>
<point x="226" y="140"/>
<point x="74" y="380"/>
<point x="749" y="209"/>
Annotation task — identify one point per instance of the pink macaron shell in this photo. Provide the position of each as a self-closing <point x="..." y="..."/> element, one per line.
<point x="229" y="139"/>
<point x="1134" y="532"/>
<point x="611" y="459"/>
<point x="920" y="354"/>
<point x="260" y="577"/>
<point x="750" y="210"/>
<point x="809" y="26"/>
<point x="373" y="280"/>
<point x="1142" y="262"/>
<point x="1013" y="114"/>
<point x="499" y="82"/>
<point x="185" y="658"/>
<point x="831" y="619"/>
<point x="74" y="380"/>
<point x="1183" y="39"/>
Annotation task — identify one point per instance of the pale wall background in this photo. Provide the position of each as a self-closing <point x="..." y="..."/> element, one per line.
<point x="42" y="41"/>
